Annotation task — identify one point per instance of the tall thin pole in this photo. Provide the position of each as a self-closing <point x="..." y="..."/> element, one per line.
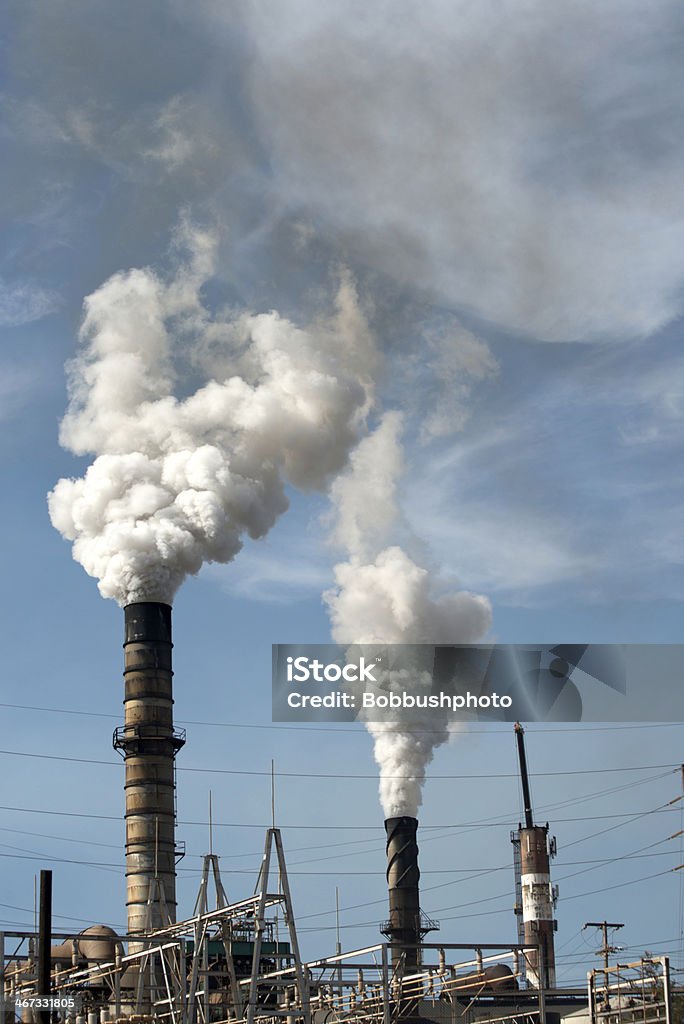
<point x="681" y="879"/>
<point x="527" y="798"/>
<point x="338" y="945"/>
<point x="44" y="940"/>
<point x="2" y="977"/>
<point x="211" y="828"/>
<point x="273" y="793"/>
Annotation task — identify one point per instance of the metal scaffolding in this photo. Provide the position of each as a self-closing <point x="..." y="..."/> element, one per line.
<point x="227" y="965"/>
<point x="634" y="993"/>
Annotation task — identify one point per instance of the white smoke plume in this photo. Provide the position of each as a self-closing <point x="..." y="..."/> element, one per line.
<point x="178" y="481"/>
<point x="382" y="596"/>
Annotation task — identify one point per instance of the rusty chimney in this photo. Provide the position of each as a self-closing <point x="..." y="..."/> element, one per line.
<point x="536" y="892"/>
<point x="537" y="904"/>
<point x="149" y="744"/>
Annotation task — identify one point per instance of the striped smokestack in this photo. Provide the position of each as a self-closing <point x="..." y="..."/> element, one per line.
<point x="149" y="743"/>
<point x="404" y="926"/>
<point x="536" y="892"/>
<point x="537" y="904"/>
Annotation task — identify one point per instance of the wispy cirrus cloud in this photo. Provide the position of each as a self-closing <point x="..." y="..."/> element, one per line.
<point x="18" y="384"/>
<point x="505" y="550"/>
<point x="565" y="488"/>
<point x="521" y="162"/>
<point x="652" y="405"/>
<point x="267" y="575"/>
<point x="22" y="302"/>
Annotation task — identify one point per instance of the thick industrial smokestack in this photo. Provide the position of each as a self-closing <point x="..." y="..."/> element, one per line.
<point x="537" y="904"/>
<point x="149" y="744"/>
<point x="404" y="925"/>
<point x="536" y="893"/>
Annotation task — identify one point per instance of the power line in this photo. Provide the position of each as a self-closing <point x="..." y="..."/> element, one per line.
<point x="620" y="885"/>
<point x="649" y="944"/>
<point x="507" y="895"/>
<point x="62" y="860"/>
<point x="503" y="823"/>
<point x="367" y="844"/>
<point x="63" y="917"/>
<point x="347" y="775"/>
<point x="611" y="828"/>
<point x="488" y="870"/>
<point x="581" y="895"/>
<point x="471" y="872"/>
<point x="634" y="855"/>
<point x="61" y="839"/>
<point x="473" y="903"/>
<point x="353" y="726"/>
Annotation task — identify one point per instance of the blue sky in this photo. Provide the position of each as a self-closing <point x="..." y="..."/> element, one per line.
<point x="504" y="184"/>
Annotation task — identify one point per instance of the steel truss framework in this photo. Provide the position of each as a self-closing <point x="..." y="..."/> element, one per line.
<point x="634" y="993"/>
<point x="185" y="973"/>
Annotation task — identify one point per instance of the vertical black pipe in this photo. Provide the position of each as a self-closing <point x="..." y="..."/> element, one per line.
<point x="527" y="798"/>
<point x="44" y="940"/>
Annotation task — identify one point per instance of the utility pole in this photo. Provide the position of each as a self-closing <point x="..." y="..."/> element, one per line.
<point x="44" y="975"/>
<point x="605" y="948"/>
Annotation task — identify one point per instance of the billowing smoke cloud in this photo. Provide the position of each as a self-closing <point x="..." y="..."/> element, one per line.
<point x="179" y="480"/>
<point x="382" y="596"/>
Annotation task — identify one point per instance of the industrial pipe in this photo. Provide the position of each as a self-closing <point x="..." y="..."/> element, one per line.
<point x="44" y="978"/>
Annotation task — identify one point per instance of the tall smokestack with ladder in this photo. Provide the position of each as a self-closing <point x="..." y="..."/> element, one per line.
<point x="149" y="744"/>
<point x="536" y="897"/>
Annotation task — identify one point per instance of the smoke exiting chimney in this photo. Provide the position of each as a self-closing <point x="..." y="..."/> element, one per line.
<point x="404" y="926"/>
<point x="149" y="744"/>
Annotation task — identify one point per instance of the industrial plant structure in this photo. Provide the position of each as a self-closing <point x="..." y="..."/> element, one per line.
<point x="536" y="897"/>
<point x="149" y="744"/>
<point x="228" y="963"/>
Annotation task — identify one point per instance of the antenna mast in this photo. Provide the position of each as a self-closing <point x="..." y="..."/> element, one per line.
<point x="527" y="799"/>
